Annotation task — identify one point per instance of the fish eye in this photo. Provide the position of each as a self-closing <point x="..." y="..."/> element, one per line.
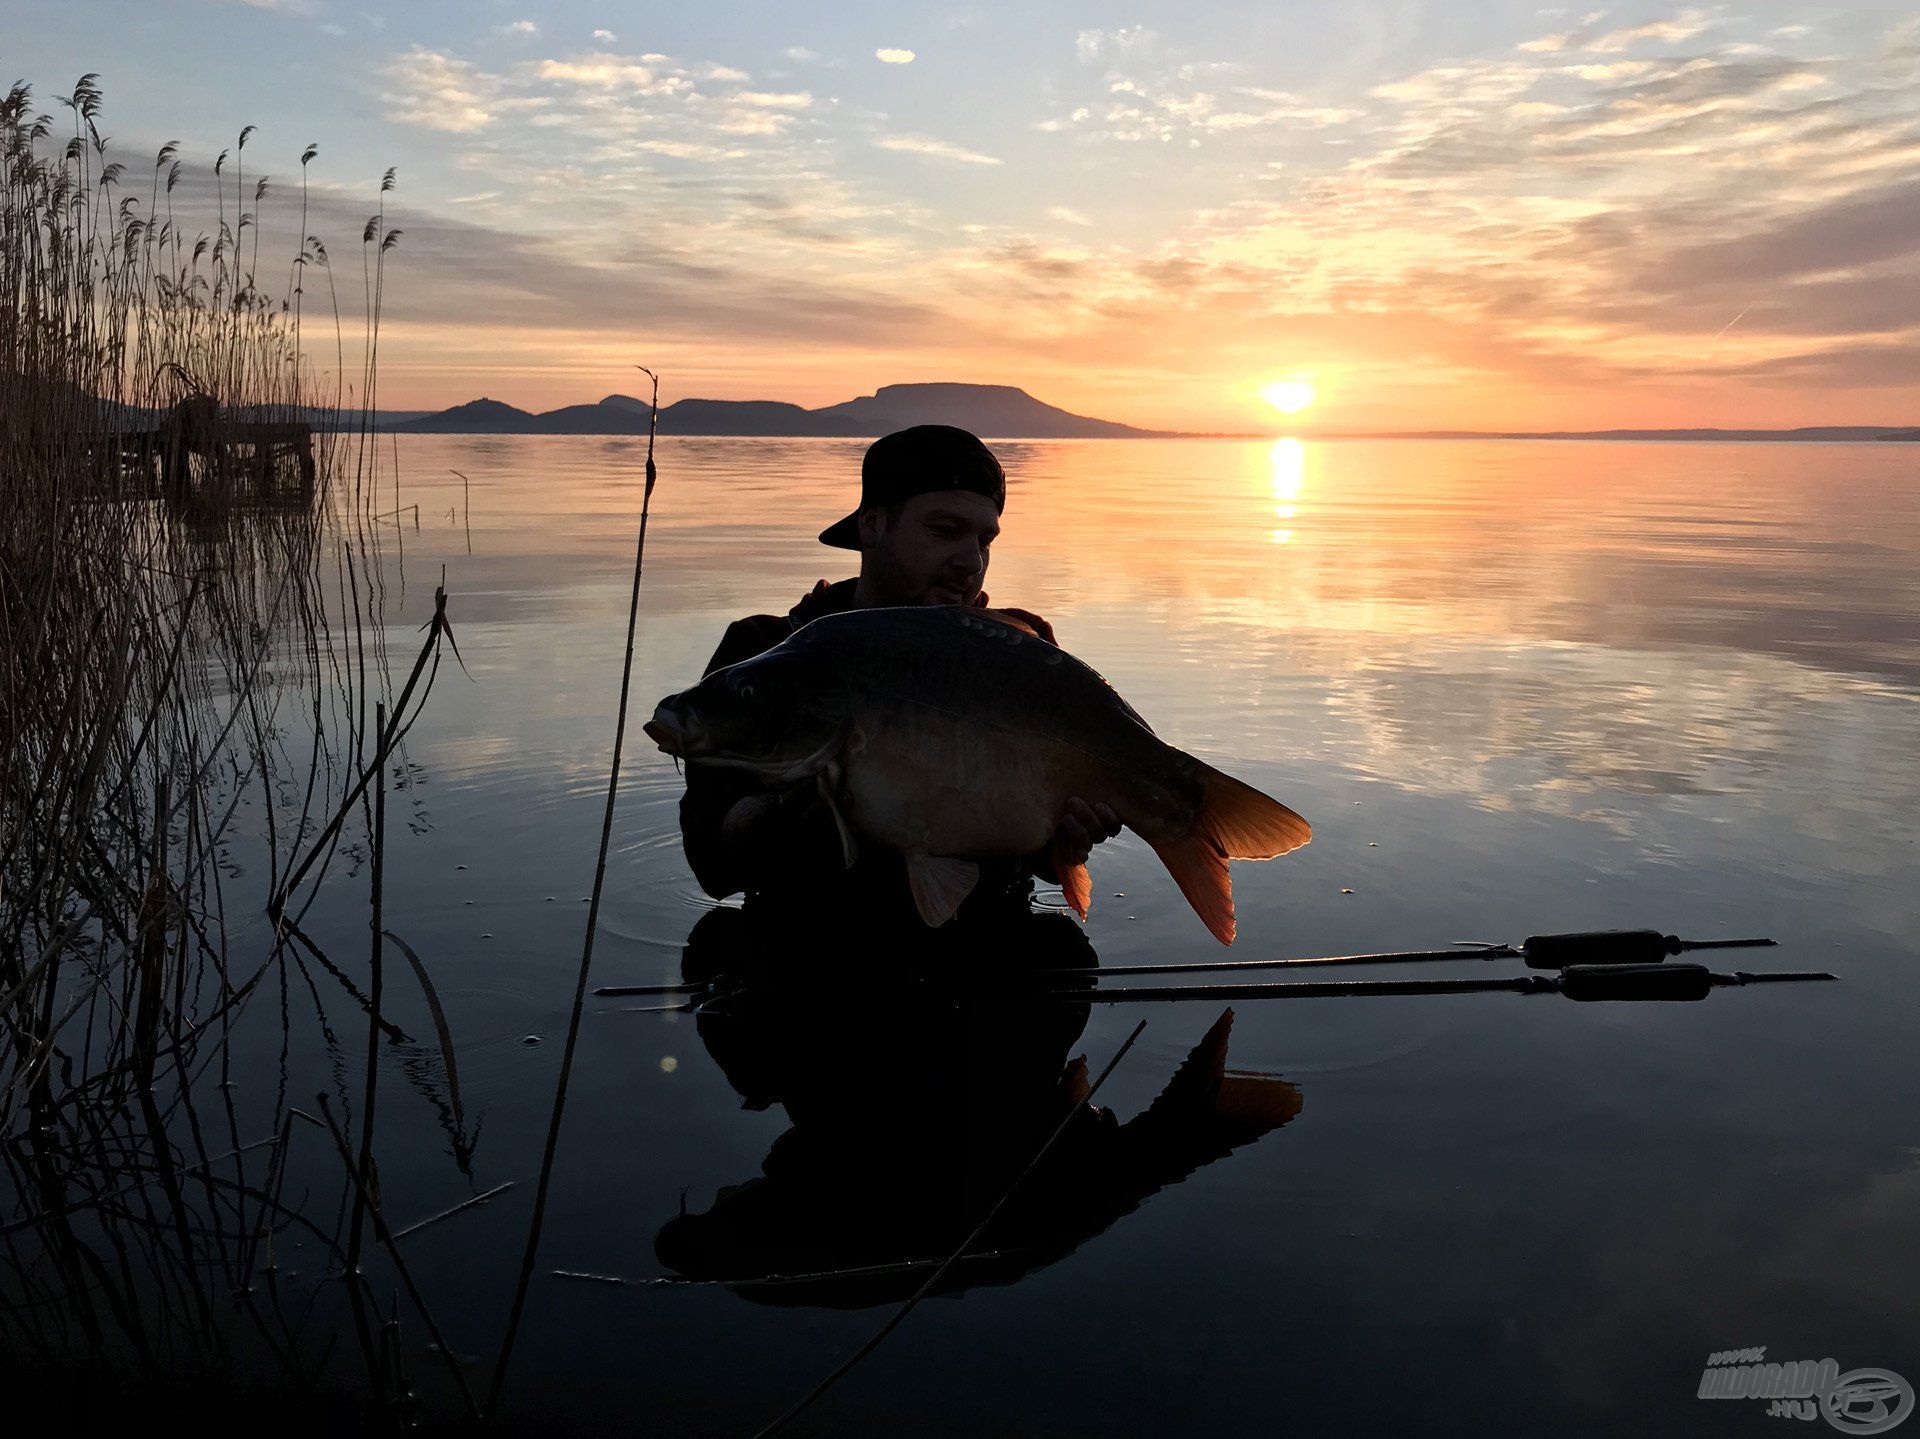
<point x="746" y="692"/>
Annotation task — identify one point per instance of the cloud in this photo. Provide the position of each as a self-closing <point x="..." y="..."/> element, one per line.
<point x="894" y="57"/>
<point x="1091" y="45"/>
<point x="600" y="98"/>
<point x="1516" y="221"/>
<point x="766" y="100"/>
<point x="467" y="283"/>
<point x="680" y="150"/>
<point x="605" y="37"/>
<point x="935" y="149"/>
<point x="1852" y="367"/>
<point x="1855" y="230"/>
<point x="616" y="72"/>
<point x="1158" y="109"/>
<point x="1683" y="26"/>
<point x="759" y="112"/>
<point x="439" y="92"/>
<point x="1589" y="37"/>
<point x="519" y="30"/>
<point x="1577" y="215"/>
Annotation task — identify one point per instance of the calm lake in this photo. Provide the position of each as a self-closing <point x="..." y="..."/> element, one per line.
<point x="1516" y="686"/>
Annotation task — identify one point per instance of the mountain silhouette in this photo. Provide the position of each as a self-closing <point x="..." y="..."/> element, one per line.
<point x="1002" y="411"/>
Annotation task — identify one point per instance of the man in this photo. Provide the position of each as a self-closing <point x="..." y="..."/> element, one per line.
<point x="930" y="504"/>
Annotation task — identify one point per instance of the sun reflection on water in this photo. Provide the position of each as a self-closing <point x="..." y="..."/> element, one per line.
<point x="1287" y="463"/>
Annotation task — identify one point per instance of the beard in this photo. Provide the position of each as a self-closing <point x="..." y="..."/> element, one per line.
<point x="892" y="582"/>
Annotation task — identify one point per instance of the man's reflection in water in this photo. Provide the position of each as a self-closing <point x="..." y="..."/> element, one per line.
<point x="912" y="1113"/>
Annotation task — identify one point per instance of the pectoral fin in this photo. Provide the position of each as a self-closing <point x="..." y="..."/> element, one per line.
<point x="939" y="885"/>
<point x="829" y="780"/>
<point x="1075" y="883"/>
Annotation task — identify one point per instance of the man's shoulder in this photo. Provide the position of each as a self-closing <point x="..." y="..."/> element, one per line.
<point x="758" y="627"/>
<point x="752" y="635"/>
<point x="749" y="636"/>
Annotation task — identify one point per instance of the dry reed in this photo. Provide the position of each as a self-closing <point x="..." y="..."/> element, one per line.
<point x="191" y="592"/>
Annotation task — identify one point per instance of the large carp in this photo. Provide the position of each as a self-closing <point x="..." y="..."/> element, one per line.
<point x="953" y="735"/>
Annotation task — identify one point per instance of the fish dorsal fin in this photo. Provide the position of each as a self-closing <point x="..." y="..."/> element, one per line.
<point x="1013" y="621"/>
<point x="940" y="885"/>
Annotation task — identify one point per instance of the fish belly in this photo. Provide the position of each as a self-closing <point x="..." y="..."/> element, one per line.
<point x="921" y="785"/>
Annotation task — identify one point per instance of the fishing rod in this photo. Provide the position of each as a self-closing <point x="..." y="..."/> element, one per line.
<point x="1586" y="983"/>
<point x="1540" y="951"/>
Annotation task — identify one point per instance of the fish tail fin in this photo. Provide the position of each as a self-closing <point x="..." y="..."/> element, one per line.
<point x="1201" y="872"/>
<point x="1246" y="824"/>
<point x="1235" y="821"/>
<point x="1260" y="1102"/>
<point x="1237" y="1100"/>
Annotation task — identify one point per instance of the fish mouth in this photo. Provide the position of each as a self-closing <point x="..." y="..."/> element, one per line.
<point x="661" y="736"/>
<point x="673" y="731"/>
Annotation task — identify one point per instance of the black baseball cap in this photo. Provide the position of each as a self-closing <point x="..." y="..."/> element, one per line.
<point x="918" y="461"/>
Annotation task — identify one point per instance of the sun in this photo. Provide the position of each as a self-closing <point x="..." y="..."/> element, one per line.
<point x="1289" y="397"/>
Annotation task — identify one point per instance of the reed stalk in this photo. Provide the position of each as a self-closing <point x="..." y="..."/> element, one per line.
<point x="550" y="1153"/>
<point x="191" y="638"/>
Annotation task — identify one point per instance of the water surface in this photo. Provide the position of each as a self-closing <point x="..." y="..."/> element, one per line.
<point x="1517" y="687"/>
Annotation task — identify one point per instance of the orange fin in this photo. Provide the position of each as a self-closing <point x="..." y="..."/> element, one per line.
<point x="1075" y="883"/>
<point x="1235" y="821"/>
<point x="1261" y="1102"/>
<point x="1073" y="1083"/>
<point x="1253" y="1103"/>
<point x="1244" y="823"/>
<point x="940" y="885"/>
<point x="1201" y="872"/>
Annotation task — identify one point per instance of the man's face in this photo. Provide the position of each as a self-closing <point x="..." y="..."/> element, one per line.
<point x="935" y="553"/>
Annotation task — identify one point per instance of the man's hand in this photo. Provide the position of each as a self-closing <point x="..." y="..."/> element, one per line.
<point x="1026" y="617"/>
<point x="758" y="832"/>
<point x="1080" y="829"/>
<point x="748" y="820"/>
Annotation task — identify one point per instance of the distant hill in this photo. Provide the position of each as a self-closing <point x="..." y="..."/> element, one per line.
<point x="995" y="411"/>
<point x="1807" y="433"/>
<point x="1002" y="411"/>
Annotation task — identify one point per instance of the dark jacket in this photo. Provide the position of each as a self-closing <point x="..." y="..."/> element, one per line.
<point x="807" y="863"/>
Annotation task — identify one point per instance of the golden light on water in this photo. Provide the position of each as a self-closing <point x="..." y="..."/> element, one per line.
<point x="1289" y="396"/>
<point x="1287" y="465"/>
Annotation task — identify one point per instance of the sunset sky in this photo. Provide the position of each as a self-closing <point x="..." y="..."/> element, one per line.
<point x="1432" y="214"/>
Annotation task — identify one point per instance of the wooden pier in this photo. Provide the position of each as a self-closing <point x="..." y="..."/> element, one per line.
<point x="198" y="458"/>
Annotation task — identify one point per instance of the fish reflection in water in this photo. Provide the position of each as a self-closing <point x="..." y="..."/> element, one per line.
<point x="912" y="1114"/>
